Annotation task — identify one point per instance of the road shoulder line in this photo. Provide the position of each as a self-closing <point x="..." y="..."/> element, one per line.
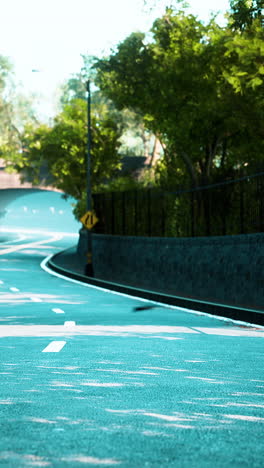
<point x="239" y="316"/>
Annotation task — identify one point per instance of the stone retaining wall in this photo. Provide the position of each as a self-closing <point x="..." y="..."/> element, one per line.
<point x="226" y="269"/>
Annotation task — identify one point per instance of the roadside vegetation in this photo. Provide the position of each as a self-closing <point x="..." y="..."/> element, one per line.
<point x="193" y="90"/>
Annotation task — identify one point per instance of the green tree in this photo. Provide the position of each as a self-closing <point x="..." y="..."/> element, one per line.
<point x="74" y="88"/>
<point x="8" y="132"/>
<point x="16" y="110"/>
<point x="136" y="139"/>
<point x="244" y="12"/>
<point x="243" y="70"/>
<point x="57" y="155"/>
<point x="182" y="82"/>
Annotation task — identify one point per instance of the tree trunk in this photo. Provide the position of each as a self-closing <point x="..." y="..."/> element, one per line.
<point x="190" y="168"/>
<point x="154" y="152"/>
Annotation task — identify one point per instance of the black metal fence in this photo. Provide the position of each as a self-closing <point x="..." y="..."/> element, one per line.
<point x="229" y="208"/>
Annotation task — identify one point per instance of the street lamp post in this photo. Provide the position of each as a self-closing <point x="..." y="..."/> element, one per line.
<point x="89" y="262"/>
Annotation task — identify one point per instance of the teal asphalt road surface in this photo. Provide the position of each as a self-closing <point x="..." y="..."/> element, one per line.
<point x="89" y="377"/>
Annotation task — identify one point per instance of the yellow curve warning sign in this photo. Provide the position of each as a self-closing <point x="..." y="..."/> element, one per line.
<point x="89" y="219"/>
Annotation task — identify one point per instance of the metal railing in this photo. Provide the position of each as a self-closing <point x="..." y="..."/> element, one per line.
<point x="227" y="208"/>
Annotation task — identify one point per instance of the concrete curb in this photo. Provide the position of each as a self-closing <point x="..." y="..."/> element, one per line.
<point x="247" y="315"/>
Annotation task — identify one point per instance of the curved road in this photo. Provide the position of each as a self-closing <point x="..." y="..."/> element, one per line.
<point x="95" y="378"/>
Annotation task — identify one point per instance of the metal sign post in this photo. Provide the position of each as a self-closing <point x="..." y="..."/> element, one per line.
<point x="89" y="262"/>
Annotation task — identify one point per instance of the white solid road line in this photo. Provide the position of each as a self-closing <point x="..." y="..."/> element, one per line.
<point x="37" y="231"/>
<point x="231" y="331"/>
<point x="117" y="330"/>
<point x="44" y="266"/>
<point x="54" y="347"/>
<point x="58" y="311"/>
<point x="19" y="239"/>
<point x="34" y="244"/>
<point x="35" y="299"/>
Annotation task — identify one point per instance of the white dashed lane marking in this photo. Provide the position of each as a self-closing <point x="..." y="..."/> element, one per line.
<point x="69" y="324"/>
<point x="54" y="347"/>
<point x="58" y="311"/>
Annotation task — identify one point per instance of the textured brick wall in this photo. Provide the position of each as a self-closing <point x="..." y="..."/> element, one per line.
<point x="228" y="269"/>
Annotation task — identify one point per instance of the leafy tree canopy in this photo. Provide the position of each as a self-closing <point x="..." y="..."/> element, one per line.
<point x="136" y="139"/>
<point x="244" y="12"/>
<point x="15" y="111"/>
<point x="199" y="88"/>
<point x="74" y="88"/>
<point x="57" y="155"/>
<point x="7" y="130"/>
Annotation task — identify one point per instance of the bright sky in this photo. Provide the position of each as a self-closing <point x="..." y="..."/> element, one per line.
<point x="51" y="35"/>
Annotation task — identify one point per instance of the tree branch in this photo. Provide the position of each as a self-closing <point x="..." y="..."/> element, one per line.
<point x="190" y="168"/>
